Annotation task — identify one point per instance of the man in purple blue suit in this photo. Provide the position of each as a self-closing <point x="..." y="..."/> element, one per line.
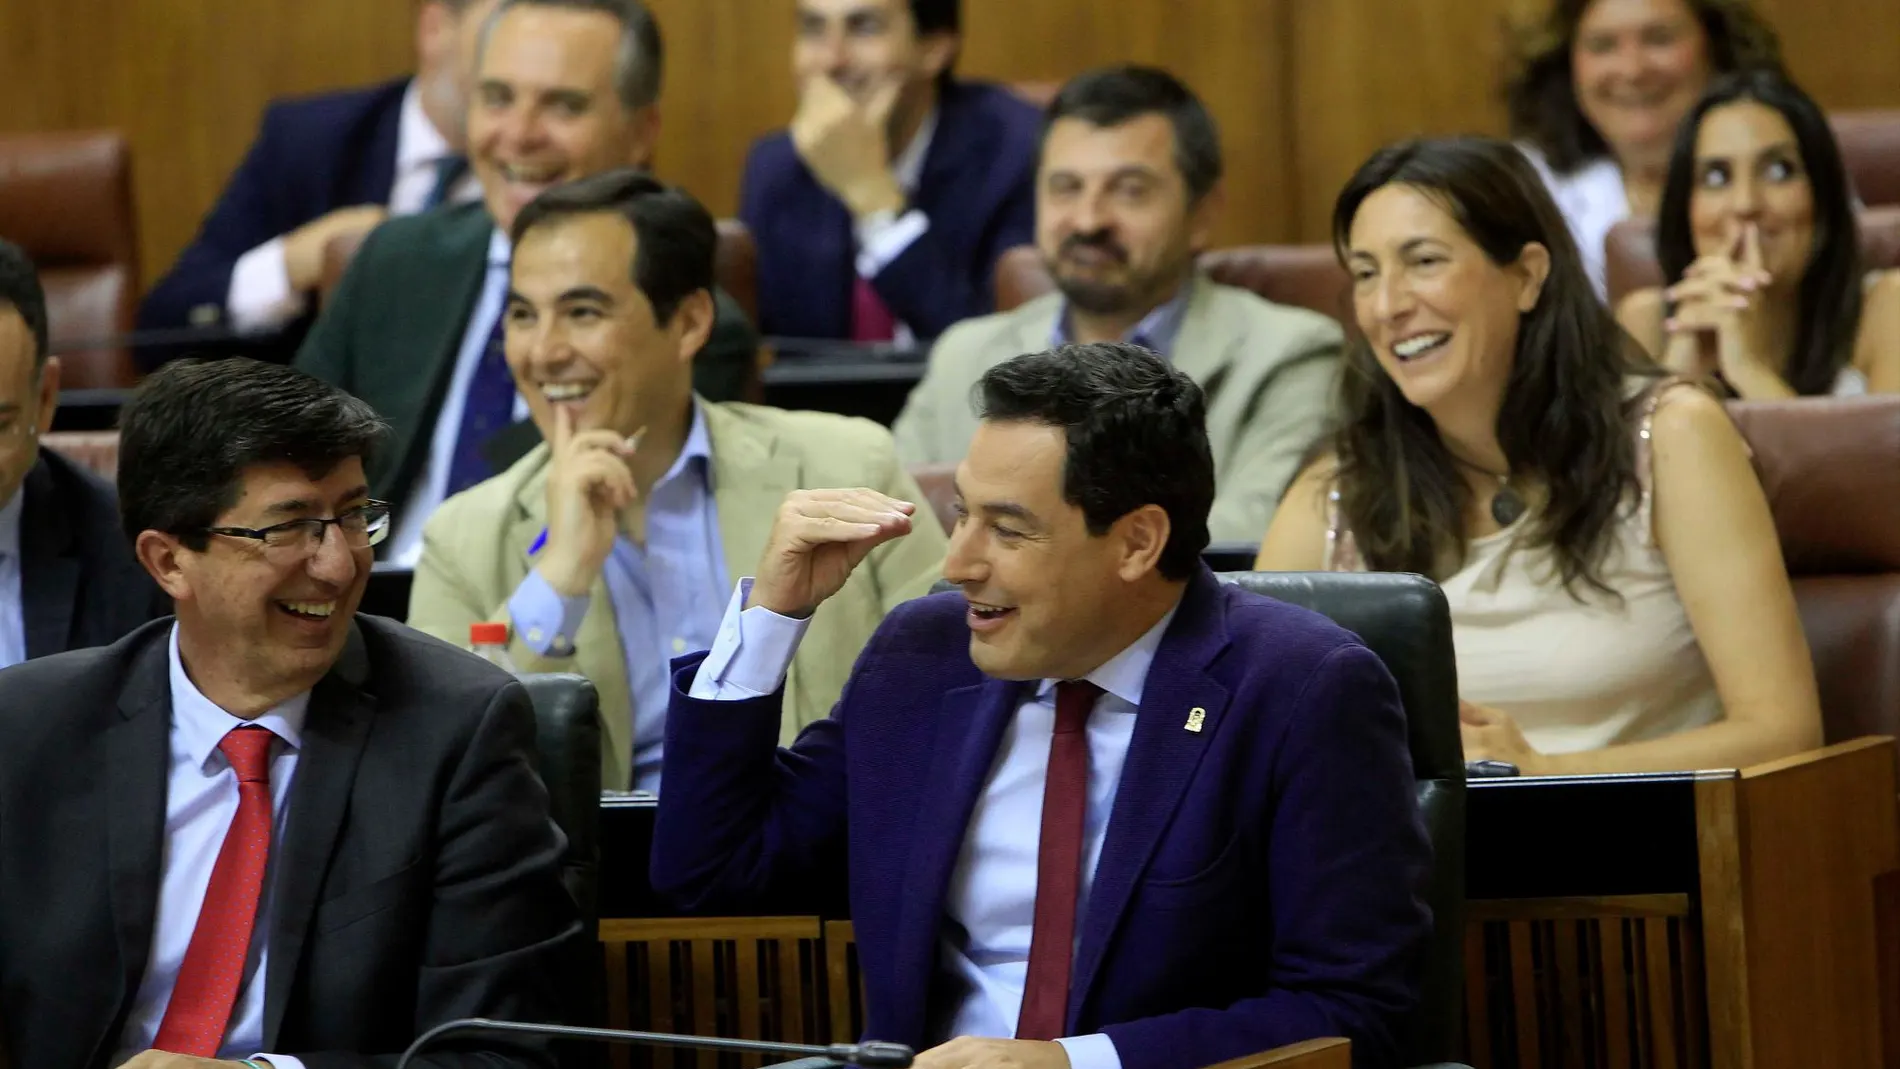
<point x="1100" y="810"/>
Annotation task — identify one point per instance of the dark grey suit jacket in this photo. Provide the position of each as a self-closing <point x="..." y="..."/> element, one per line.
<point x="418" y="878"/>
<point x="80" y="585"/>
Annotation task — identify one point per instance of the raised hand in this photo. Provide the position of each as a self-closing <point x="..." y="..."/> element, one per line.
<point x="847" y="144"/>
<point x="589" y="484"/>
<point x="817" y="538"/>
<point x="1718" y="320"/>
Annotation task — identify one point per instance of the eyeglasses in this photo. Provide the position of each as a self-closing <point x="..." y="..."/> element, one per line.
<point x="361" y="527"/>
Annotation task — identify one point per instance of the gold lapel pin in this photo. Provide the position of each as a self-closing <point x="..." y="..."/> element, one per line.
<point x="1196" y="717"/>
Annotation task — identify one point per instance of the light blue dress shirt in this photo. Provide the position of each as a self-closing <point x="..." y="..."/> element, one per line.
<point x="12" y="604"/>
<point x="991" y="905"/>
<point x="666" y="596"/>
<point x="1157" y="330"/>
<point x="201" y="799"/>
<point x="432" y="483"/>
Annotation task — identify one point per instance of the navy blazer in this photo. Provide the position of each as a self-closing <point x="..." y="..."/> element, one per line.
<point x="1260" y="882"/>
<point x="312" y="155"/>
<point x="977" y="188"/>
<point x="80" y="585"/>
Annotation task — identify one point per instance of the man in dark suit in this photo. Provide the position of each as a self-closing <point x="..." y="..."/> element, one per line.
<point x="268" y="825"/>
<point x="880" y="213"/>
<point x="67" y="577"/>
<point x="564" y="89"/>
<point x="322" y="166"/>
<point x="1095" y="797"/>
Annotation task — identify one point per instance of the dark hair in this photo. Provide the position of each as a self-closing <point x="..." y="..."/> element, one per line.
<point x="1568" y="417"/>
<point x="1830" y="294"/>
<point x="641" y="59"/>
<point x="193" y="427"/>
<point x="1541" y="93"/>
<point x="937" y="16"/>
<point x="1137" y="434"/>
<point x="1110" y="96"/>
<point x="675" y="238"/>
<point x="20" y="289"/>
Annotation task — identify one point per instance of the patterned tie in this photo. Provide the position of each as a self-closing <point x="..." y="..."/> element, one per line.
<point x="871" y="320"/>
<point x="207" y="984"/>
<point x="1065" y="797"/>
<point x="448" y="171"/>
<point x="486" y="408"/>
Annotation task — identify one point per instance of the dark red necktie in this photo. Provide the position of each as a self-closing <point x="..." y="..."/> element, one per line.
<point x="207" y="984"/>
<point x="1065" y="799"/>
<point x="871" y="319"/>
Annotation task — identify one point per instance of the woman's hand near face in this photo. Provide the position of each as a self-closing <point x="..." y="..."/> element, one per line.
<point x="1719" y="321"/>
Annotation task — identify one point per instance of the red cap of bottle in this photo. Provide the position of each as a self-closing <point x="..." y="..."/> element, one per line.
<point x="488" y="634"/>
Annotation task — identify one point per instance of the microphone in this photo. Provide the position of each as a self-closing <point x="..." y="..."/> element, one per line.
<point x="863" y="1055"/>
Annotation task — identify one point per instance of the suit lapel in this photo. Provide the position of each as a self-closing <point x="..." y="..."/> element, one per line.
<point x="130" y="792"/>
<point x="1201" y="347"/>
<point x="49" y="576"/>
<point x="334" y="732"/>
<point x="750" y="480"/>
<point x="970" y="724"/>
<point x="1162" y="757"/>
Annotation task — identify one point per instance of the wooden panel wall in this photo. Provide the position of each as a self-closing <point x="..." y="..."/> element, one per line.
<point x="1303" y="89"/>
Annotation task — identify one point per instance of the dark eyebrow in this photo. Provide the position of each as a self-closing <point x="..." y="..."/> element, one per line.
<point x="571" y="97"/>
<point x="1413" y="244"/>
<point x="1000" y="508"/>
<point x="585" y="293"/>
<point x="299" y="505"/>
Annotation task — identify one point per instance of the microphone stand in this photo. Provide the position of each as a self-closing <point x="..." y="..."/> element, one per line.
<point x="872" y="1055"/>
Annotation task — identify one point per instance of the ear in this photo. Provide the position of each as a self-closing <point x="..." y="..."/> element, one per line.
<point x="692" y="323"/>
<point x="49" y="394"/>
<point x="645" y="140"/>
<point x="1533" y="266"/>
<point x="163" y="558"/>
<point x="937" y="51"/>
<point x="1203" y="215"/>
<point x="1143" y="534"/>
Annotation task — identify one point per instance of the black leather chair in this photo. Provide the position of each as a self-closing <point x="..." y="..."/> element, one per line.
<point x="1404" y="620"/>
<point x="567" y="744"/>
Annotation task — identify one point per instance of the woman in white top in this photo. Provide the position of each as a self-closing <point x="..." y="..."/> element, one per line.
<point x="1599" y="89"/>
<point x="1758" y="235"/>
<point x="1617" y="590"/>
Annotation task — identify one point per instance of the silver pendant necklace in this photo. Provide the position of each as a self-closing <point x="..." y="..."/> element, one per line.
<point x="1507" y="505"/>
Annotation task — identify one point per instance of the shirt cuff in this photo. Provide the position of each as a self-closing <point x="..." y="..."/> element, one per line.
<point x="1093" y="1051"/>
<point x="752" y="652"/>
<point x="260" y="298"/>
<point x="883" y="237"/>
<point x="544" y="619"/>
<point x="278" y="1061"/>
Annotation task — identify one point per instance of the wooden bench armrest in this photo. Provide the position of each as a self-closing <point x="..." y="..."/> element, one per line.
<point x="1312" y="1054"/>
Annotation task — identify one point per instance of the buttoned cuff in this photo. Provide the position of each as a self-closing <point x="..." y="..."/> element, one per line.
<point x="883" y="237"/>
<point x="260" y="298"/>
<point x="752" y="652"/>
<point x="544" y="619"/>
<point x="278" y="1061"/>
<point x="1093" y="1051"/>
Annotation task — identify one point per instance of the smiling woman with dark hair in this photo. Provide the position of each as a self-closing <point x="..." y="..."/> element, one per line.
<point x="1617" y="594"/>
<point x="1758" y="237"/>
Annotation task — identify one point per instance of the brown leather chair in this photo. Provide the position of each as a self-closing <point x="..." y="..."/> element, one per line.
<point x="96" y="451"/>
<point x="939" y="484"/>
<point x="1870" y="146"/>
<point x="66" y="198"/>
<point x="1831" y="470"/>
<point x="1629" y="251"/>
<point x="1305" y="276"/>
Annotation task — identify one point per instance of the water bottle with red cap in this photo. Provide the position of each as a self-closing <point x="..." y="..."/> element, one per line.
<point x="489" y="641"/>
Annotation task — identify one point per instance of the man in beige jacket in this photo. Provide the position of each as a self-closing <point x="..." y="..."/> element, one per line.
<point x="612" y="547"/>
<point x="1126" y="193"/>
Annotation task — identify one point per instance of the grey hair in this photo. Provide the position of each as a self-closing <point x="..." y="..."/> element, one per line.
<point x="640" y="59"/>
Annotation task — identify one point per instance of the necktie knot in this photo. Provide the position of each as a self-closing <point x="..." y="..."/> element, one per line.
<point x="248" y="750"/>
<point x="1074" y="699"/>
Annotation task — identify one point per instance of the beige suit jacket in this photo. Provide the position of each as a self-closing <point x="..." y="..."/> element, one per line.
<point x="1268" y="371"/>
<point x="475" y="553"/>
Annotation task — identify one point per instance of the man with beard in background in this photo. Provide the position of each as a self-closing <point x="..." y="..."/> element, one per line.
<point x="1127" y="190"/>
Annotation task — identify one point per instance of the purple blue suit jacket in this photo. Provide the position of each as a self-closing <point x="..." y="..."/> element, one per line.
<point x="1260" y="883"/>
<point x="977" y="188"/>
<point x="312" y="155"/>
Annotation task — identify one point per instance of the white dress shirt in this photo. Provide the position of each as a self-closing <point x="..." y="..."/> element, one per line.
<point x="201" y="799"/>
<point x="991" y="905"/>
<point x="12" y="603"/>
<point x="432" y="483"/>
<point x="260" y="298"/>
<point x="883" y="236"/>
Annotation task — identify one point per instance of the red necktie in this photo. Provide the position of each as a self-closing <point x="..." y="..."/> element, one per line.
<point x="207" y="984"/>
<point x="1065" y="797"/>
<point x="871" y="320"/>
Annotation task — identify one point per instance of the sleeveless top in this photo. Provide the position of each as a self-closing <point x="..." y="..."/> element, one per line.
<point x="1575" y="675"/>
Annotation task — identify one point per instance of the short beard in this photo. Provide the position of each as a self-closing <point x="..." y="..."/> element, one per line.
<point x="1096" y="298"/>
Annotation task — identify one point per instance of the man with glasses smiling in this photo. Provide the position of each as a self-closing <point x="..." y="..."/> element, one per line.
<point x="268" y="825"/>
